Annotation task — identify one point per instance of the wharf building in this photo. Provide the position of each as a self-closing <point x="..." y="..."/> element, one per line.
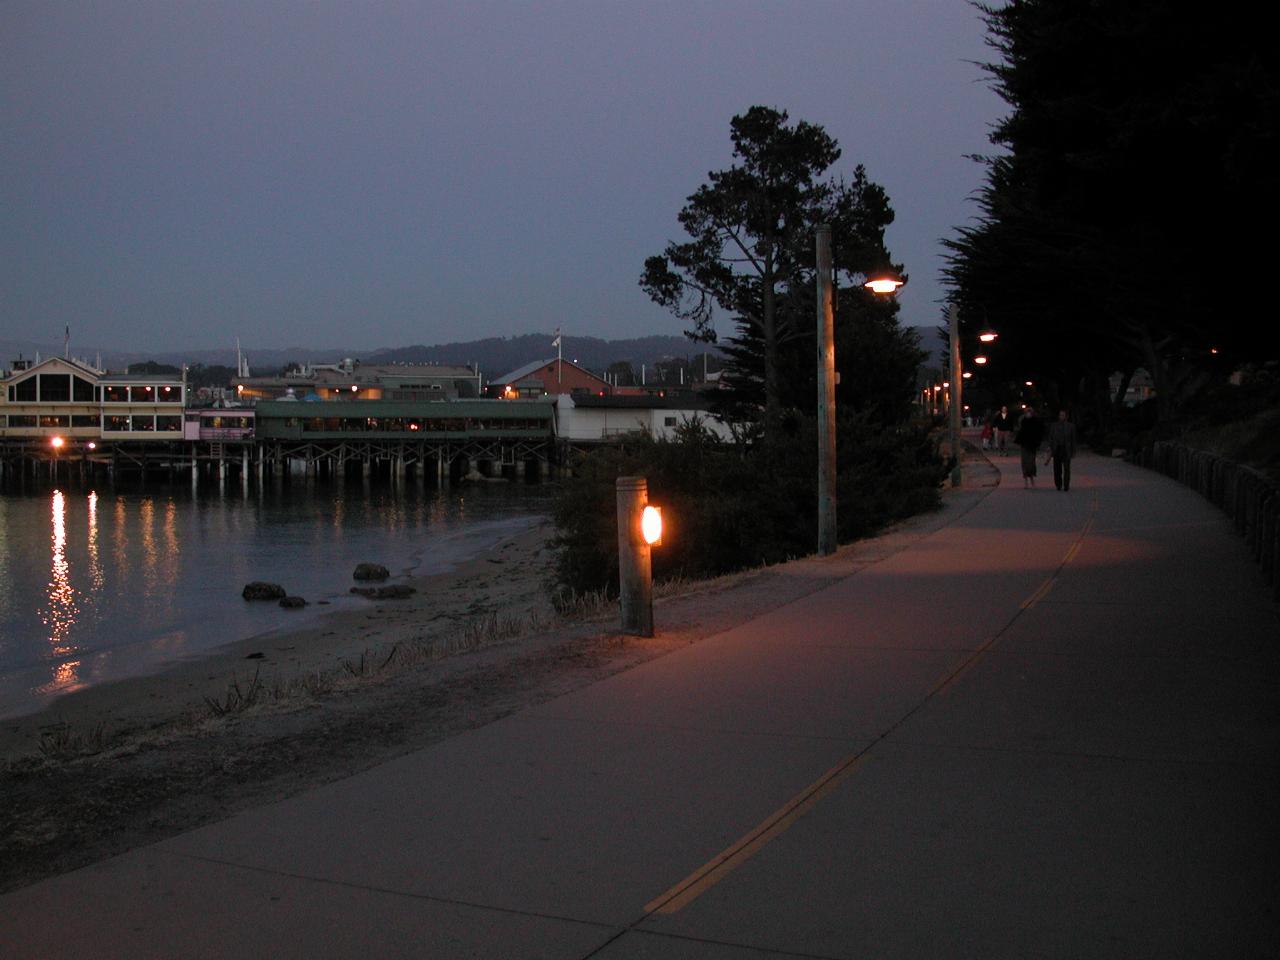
<point x="353" y="380"/>
<point x="62" y="416"/>
<point x="63" y="408"/>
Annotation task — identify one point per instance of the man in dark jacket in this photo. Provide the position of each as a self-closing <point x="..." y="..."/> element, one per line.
<point x="1062" y="447"/>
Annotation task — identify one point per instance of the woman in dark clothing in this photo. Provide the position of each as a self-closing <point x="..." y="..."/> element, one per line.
<point x="1029" y="437"/>
<point x="1002" y="425"/>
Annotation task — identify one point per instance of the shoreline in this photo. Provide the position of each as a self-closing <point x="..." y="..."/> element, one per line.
<point x="513" y="573"/>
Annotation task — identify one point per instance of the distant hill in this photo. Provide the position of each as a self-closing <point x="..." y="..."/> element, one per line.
<point x="499" y="355"/>
<point x="935" y="344"/>
<point x="494" y="355"/>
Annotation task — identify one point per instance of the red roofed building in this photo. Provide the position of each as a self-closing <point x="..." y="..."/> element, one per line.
<point x="548" y="378"/>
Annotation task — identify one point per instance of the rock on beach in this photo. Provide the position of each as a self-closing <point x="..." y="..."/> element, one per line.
<point x="370" y="571"/>
<point x="259" y="590"/>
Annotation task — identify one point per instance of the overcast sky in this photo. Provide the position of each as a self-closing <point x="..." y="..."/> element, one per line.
<point x="366" y="174"/>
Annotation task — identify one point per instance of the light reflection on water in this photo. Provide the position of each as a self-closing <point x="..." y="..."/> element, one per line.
<point x="60" y="613"/>
<point x="99" y="585"/>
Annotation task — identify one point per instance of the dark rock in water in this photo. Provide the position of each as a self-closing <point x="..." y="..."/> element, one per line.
<point x="259" y="655"/>
<point x="397" y="591"/>
<point x="292" y="603"/>
<point x="371" y="571"/>
<point x="263" y="591"/>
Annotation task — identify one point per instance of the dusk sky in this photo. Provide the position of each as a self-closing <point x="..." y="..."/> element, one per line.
<point x="362" y="175"/>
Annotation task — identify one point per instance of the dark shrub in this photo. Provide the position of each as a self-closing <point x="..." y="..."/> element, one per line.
<point x="727" y="507"/>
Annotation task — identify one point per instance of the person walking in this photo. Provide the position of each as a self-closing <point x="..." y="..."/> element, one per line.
<point x="1002" y="424"/>
<point x="1029" y="437"/>
<point x="1062" y="447"/>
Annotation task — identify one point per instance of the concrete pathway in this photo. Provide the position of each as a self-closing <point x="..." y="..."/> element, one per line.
<point x="1048" y="728"/>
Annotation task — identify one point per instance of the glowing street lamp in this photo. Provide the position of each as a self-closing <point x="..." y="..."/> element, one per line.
<point x="639" y="529"/>
<point x="57" y="443"/>
<point x="651" y="525"/>
<point x="883" y="282"/>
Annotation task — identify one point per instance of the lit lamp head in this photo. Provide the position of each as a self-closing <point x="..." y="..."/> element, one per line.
<point x="979" y="360"/>
<point x="56" y="443"/>
<point x="651" y="525"/>
<point x="987" y="336"/>
<point x="884" y="282"/>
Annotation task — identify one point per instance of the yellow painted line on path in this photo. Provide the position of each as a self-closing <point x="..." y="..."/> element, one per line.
<point x="722" y="864"/>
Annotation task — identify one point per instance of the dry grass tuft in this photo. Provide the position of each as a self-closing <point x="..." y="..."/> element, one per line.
<point x="61" y="741"/>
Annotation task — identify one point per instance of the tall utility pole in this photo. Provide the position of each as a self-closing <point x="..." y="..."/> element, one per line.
<point x="957" y="378"/>
<point x="826" y="397"/>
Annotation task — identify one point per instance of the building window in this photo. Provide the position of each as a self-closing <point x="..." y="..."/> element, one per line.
<point x="668" y="421"/>
<point x="116" y="423"/>
<point x="55" y="387"/>
<point x="168" y="423"/>
<point x="144" y="423"/>
<point x="115" y="394"/>
<point x="60" y="422"/>
<point x="84" y="419"/>
<point x="21" y="420"/>
<point x="82" y="389"/>
<point x="24" y="391"/>
<point x="142" y="394"/>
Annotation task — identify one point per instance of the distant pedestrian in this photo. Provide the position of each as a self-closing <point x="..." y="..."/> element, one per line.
<point x="1062" y="447"/>
<point x="987" y="433"/>
<point x="1029" y="437"/>
<point x="1002" y="425"/>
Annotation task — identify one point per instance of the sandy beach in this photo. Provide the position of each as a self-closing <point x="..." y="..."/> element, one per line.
<point x="114" y="767"/>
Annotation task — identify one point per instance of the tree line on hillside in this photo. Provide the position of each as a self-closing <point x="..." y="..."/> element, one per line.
<point x="1120" y="217"/>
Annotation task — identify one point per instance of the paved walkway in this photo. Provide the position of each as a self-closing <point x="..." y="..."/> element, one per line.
<point x="1047" y="729"/>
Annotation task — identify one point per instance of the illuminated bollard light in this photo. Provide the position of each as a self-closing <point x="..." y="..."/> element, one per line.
<point x="639" y="527"/>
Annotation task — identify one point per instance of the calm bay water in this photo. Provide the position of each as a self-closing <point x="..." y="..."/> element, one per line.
<point x="97" y="584"/>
